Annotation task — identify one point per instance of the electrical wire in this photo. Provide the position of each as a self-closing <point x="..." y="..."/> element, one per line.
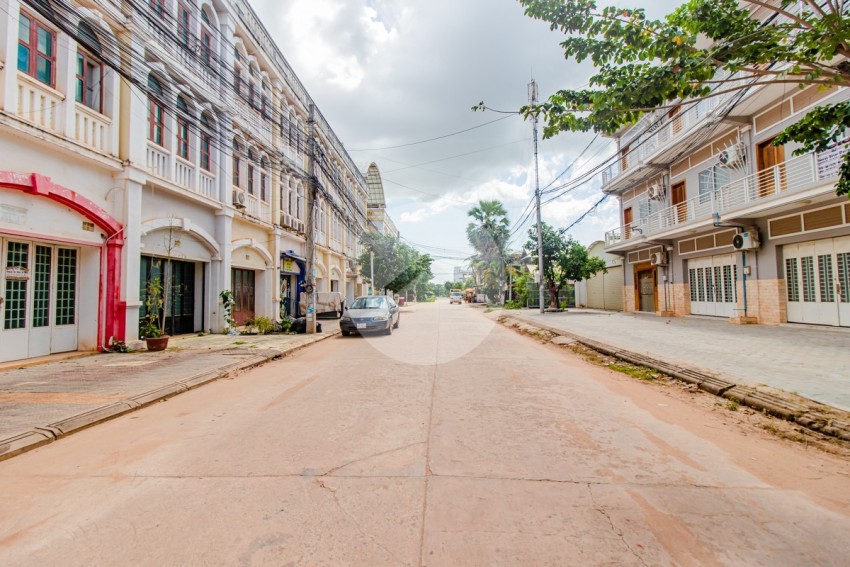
<point x="430" y="139"/>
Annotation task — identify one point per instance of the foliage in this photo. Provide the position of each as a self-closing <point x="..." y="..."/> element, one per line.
<point x="704" y="48"/>
<point x="228" y="302"/>
<point x="514" y="304"/>
<point x="488" y="235"/>
<point x="153" y="325"/>
<point x="284" y="325"/>
<point x="263" y="325"/>
<point x="564" y="260"/>
<point x="397" y="265"/>
<point x="118" y="345"/>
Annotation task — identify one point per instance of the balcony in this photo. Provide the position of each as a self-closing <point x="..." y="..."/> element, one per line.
<point x="252" y="206"/>
<point x="180" y="172"/>
<point x="252" y="121"/>
<point x="794" y="176"/>
<point x="662" y="134"/>
<point x="92" y="129"/>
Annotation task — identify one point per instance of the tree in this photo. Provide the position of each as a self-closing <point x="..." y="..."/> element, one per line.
<point x="488" y="235"/>
<point x="643" y="65"/>
<point x="565" y="260"/>
<point x="396" y="264"/>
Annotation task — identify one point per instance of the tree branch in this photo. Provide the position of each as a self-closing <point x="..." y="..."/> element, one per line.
<point x="782" y="12"/>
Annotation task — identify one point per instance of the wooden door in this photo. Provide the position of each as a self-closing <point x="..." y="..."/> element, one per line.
<point x="646" y="290"/>
<point x="680" y="198"/>
<point x="771" y="166"/>
<point x="243" y="295"/>
<point x="627" y="223"/>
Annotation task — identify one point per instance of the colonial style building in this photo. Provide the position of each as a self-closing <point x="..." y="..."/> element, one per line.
<point x="154" y="138"/>
<point x="717" y="221"/>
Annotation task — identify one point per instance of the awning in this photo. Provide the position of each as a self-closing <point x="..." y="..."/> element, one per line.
<point x="293" y="255"/>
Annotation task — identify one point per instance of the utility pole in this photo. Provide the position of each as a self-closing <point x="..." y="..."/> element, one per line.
<point x="372" y="272"/>
<point x="310" y="280"/>
<point x="532" y="92"/>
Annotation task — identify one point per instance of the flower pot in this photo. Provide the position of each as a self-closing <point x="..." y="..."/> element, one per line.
<point x="158" y="343"/>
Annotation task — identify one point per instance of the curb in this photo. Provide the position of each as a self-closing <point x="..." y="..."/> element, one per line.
<point x="39" y="436"/>
<point x="810" y="417"/>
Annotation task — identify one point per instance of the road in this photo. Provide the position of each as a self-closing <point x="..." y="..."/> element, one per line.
<point x="452" y="442"/>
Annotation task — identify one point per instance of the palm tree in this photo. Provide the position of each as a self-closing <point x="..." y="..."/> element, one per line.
<point x="488" y="235"/>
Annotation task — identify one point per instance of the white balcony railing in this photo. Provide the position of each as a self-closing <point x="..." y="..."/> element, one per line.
<point x="184" y="173"/>
<point x="656" y="138"/>
<point x="37" y="103"/>
<point x="207" y="185"/>
<point x="796" y="175"/>
<point x="265" y="212"/>
<point x="158" y="161"/>
<point x="92" y="129"/>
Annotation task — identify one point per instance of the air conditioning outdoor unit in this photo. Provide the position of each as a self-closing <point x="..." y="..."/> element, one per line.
<point x="285" y="219"/>
<point x="656" y="191"/>
<point x="299" y="226"/>
<point x="658" y="259"/>
<point x="747" y="240"/>
<point x="732" y="156"/>
<point x="239" y="199"/>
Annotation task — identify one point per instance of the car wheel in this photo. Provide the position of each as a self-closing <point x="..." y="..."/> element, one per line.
<point x="345" y="333"/>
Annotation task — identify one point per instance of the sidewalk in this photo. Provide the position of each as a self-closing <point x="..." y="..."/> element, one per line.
<point x="40" y="403"/>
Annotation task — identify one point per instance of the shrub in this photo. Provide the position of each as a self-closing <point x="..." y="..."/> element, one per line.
<point x="264" y="325"/>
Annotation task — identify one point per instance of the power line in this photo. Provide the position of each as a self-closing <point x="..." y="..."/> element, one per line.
<point x="430" y="139"/>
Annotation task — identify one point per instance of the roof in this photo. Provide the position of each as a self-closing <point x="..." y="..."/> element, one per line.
<point x="376" y="187"/>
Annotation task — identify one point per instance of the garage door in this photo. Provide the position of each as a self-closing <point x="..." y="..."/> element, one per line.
<point x="817" y="281"/>
<point x="713" y="284"/>
<point x="605" y="290"/>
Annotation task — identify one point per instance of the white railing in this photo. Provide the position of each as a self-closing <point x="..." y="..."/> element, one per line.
<point x="37" y="103"/>
<point x="252" y="206"/>
<point x="207" y="186"/>
<point x="92" y="129"/>
<point x="158" y="161"/>
<point x="793" y="176"/>
<point x="184" y="173"/>
<point x="665" y="134"/>
<point x="265" y="212"/>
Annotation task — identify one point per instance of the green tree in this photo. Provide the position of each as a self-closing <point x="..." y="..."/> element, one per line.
<point x="488" y="234"/>
<point x="643" y="64"/>
<point x="564" y="260"/>
<point x="396" y="264"/>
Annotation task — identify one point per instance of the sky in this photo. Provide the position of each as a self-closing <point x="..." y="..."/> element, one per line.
<point x="388" y="73"/>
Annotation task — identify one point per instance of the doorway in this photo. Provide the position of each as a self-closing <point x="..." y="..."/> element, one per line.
<point x="243" y="295"/>
<point x="647" y="289"/>
<point x="680" y="201"/>
<point x="180" y="298"/>
<point x="39" y="284"/>
<point x="771" y="166"/>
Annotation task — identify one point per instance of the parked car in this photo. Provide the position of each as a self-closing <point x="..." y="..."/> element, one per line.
<point x="456" y="297"/>
<point x="370" y="313"/>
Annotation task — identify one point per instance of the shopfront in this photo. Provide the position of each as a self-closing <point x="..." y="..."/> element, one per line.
<point x="292" y="275"/>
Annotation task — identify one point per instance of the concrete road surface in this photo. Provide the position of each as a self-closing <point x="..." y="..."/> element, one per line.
<point x="451" y="442"/>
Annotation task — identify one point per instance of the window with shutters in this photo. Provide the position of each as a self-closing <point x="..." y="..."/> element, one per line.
<point x="792" y="279"/>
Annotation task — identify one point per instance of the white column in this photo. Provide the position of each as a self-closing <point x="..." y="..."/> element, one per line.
<point x="133" y="182"/>
<point x="66" y="77"/>
<point x="277" y="247"/>
<point x="9" y="11"/>
<point x="220" y="279"/>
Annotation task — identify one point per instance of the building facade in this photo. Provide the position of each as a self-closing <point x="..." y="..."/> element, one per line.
<point x="160" y="139"/>
<point x="603" y="290"/>
<point x="716" y="221"/>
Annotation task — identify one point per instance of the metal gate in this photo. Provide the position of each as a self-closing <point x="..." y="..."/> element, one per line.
<point x="713" y="285"/>
<point x="817" y="281"/>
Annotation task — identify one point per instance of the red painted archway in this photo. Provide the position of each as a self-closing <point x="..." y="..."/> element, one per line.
<point x="112" y="317"/>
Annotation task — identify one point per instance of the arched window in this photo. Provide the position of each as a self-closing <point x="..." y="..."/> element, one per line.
<point x="206" y="38"/>
<point x="250" y="172"/>
<point x="184" y="25"/>
<point x="264" y="168"/>
<point x="206" y="143"/>
<point x="156" y="111"/>
<point x="182" y="128"/>
<point x="89" y="83"/>
<point x="236" y="163"/>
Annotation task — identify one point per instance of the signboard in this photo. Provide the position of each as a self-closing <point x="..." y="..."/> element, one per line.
<point x="829" y="161"/>
<point x="288" y="265"/>
<point x="12" y="215"/>
<point x="17" y="273"/>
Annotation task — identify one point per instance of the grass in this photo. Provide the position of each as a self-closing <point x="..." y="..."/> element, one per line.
<point x="239" y="342"/>
<point x="732" y="405"/>
<point x="639" y="372"/>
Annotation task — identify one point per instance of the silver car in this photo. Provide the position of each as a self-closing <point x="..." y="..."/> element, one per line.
<point x="370" y="313"/>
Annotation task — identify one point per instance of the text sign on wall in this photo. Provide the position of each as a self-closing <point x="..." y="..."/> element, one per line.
<point x="13" y="215"/>
<point x="17" y="273"/>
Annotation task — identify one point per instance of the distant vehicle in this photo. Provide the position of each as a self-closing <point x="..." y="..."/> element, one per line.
<point x="456" y="296"/>
<point x="370" y="313"/>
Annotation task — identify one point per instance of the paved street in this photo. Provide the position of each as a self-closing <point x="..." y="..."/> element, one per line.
<point x="812" y="361"/>
<point x="454" y="441"/>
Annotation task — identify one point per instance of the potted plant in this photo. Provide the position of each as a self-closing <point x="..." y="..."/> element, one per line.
<point x="153" y="327"/>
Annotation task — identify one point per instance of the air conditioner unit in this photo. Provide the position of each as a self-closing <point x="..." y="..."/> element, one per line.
<point x="732" y="156"/>
<point x="285" y="219"/>
<point x="299" y="226"/>
<point x="239" y="199"/>
<point x="658" y="259"/>
<point x="747" y="240"/>
<point x="656" y="191"/>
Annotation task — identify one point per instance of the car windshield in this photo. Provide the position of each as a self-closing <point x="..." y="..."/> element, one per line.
<point x="369" y="303"/>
